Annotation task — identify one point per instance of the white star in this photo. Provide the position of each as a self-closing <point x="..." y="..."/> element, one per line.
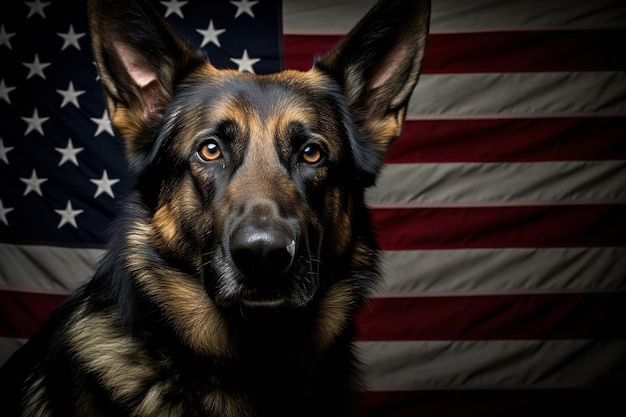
<point x="245" y="63"/>
<point x="104" y="124"/>
<point x="210" y="34"/>
<point x="36" y="7"/>
<point x="4" y="150"/>
<point x="97" y="74"/>
<point x="3" y="213"/>
<point x="104" y="185"/>
<point x="69" y="153"/>
<point x="5" y="38"/>
<point x="70" y="38"/>
<point x="33" y="183"/>
<point x="4" y="91"/>
<point x="174" y="6"/>
<point x="68" y="215"/>
<point x="244" y="6"/>
<point x="36" y="68"/>
<point x="70" y="95"/>
<point x="35" y="122"/>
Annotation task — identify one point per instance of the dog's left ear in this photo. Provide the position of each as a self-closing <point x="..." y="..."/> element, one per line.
<point x="378" y="64"/>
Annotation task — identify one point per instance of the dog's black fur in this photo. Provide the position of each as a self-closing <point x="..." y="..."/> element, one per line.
<point x="246" y="248"/>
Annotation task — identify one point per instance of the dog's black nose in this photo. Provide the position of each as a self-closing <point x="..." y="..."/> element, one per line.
<point x="262" y="248"/>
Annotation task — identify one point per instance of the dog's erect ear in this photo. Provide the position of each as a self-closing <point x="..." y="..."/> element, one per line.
<point x="140" y="60"/>
<point x="378" y="64"/>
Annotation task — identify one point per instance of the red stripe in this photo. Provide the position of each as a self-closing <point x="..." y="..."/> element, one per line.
<point x="510" y="140"/>
<point x="23" y="313"/>
<point x="300" y="50"/>
<point x="493" y="317"/>
<point x="501" y="227"/>
<point x="522" y="51"/>
<point x="599" y="401"/>
<point x="526" y="51"/>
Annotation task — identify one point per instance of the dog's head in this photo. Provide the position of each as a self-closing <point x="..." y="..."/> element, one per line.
<point x="253" y="184"/>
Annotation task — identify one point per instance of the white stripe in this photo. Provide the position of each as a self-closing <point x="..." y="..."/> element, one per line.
<point x="519" y="94"/>
<point x="474" y="364"/>
<point x="501" y="271"/>
<point x="46" y="268"/>
<point x="323" y="16"/>
<point x="490" y="364"/>
<point x="499" y="183"/>
<point x="8" y="346"/>
<point x="450" y="16"/>
<point x="406" y="272"/>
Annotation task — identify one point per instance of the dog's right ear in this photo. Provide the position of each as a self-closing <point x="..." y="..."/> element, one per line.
<point x="140" y="60"/>
<point x="378" y="65"/>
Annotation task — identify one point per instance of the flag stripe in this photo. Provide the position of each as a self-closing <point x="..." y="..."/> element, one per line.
<point x="419" y="365"/>
<point x="482" y="271"/>
<point x="513" y="316"/>
<point x="529" y="364"/>
<point x="499" y="227"/>
<point x="453" y="16"/>
<point x="23" y="313"/>
<point x="490" y="402"/>
<point x="511" y="183"/>
<point x="544" y="94"/>
<point x="529" y="51"/>
<point x="45" y="268"/>
<point x="8" y="345"/>
<point x="510" y="140"/>
<point x="489" y="15"/>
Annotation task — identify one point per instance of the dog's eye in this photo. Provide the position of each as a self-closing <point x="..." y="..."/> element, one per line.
<point x="210" y="151"/>
<point x="312" y="153"/>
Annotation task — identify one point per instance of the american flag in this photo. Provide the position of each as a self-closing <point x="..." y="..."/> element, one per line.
<point x="501" y="211"/>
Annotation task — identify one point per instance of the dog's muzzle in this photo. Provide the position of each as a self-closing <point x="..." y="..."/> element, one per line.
<point x="266" y="259"/>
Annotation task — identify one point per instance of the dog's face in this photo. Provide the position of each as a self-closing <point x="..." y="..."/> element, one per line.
<point x="253" y="185"/>
<point x="258" y="174"/>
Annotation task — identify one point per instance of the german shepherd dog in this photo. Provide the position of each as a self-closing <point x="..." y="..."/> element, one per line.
<point x="245" y="249"/>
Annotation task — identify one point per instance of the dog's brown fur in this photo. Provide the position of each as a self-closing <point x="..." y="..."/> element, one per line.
<point x="246" y="248"/>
